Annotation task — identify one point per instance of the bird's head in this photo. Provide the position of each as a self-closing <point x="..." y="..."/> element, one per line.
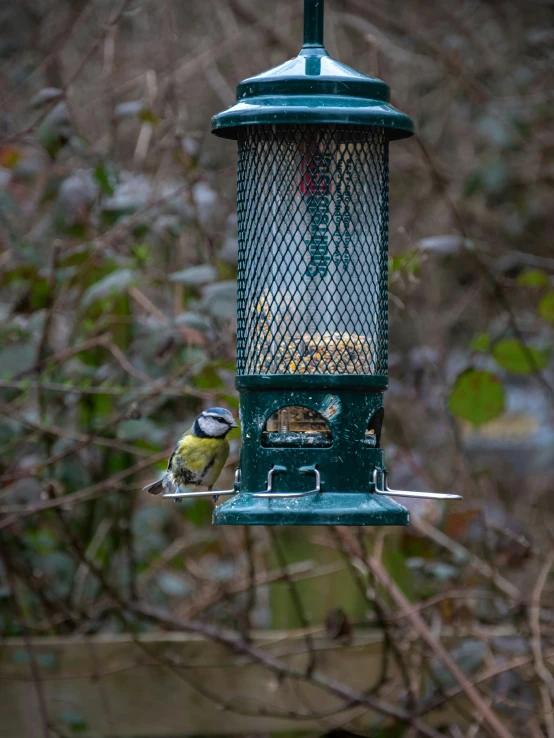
<point x="215" y="422"/>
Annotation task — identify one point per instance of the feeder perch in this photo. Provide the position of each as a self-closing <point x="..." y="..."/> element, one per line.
<point x="313" y="138"/>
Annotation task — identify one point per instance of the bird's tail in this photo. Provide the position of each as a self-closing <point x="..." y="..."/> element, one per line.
<point x="155" y="488"/>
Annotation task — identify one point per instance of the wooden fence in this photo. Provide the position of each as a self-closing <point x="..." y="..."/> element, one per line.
<point x="116" y="687"/>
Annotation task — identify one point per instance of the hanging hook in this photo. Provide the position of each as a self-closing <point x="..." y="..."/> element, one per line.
<point x="405" y="493"/>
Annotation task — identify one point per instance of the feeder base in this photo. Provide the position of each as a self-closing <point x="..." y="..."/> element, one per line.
<point x="327" y="508"/>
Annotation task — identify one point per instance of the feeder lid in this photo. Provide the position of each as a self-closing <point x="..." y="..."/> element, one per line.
<point x="312" y="88"/>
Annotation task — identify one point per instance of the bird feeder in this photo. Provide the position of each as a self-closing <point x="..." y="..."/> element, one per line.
<point x="313" y="175"/>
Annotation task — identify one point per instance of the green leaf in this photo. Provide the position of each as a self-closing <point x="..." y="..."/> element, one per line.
<point x="16" y="358"/>
<point x="141" y="252"/>
<point x="45" y="96"/>
<point x="103" y="178"/>
<point x="477" y="396"/>
<point x="208" y="378"/>
<point x="47" y="660"/>
<point x="55" y="131"/>
<point x="40" y="294"/>
<point x="482" y="343"/>
<point x="390" y="731"/>
<point x="113" y="284"/>
<point x="514" y="356"/>
<point x="195" y="276"/>
<point x="148" y="116"/>
<point x="75" y="721"/>
<point x="172" y="584"/>
<point x="143" y="429"/>
<point x="9" y="157"/>
<point x="408" y="263"/>
<point x="473" y="183"/>
<point x="546" y="307"/>
<point x="533" y="278"/>
<point x="395" y="564"/>
<point x="194" y="320"/>
<point x="231" y="400"/>
<point x="201" y="512"/>
<point x="469" y="656"/>
<point x="220" y="299"/>
<point x="20" y="657"/>
<point x="128" y="109"/>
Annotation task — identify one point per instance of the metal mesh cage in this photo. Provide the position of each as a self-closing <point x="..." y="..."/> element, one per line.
<point x="313" y="235"/>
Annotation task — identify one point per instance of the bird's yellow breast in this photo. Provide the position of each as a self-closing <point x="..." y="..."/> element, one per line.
<point x="197" y="452"/>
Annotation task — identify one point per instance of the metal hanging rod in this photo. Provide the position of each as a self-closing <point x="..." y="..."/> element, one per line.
<point x="313" y="23"/>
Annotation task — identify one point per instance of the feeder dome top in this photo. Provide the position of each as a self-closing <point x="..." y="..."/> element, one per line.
<point x="312" y="88"/>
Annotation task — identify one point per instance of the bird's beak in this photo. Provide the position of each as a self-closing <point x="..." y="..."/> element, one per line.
<point x="233" y="424"/>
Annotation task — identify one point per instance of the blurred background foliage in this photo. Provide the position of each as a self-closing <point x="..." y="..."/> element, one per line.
<point x="118" y="253"/>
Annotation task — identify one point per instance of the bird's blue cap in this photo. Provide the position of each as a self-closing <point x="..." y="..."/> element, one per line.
<point x="218" y="410"/>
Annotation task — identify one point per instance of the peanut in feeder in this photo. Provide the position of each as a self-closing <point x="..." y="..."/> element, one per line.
<point x="312" y="324"/>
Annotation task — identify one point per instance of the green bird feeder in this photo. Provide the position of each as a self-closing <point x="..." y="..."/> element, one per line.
<point x="313" y="138"/>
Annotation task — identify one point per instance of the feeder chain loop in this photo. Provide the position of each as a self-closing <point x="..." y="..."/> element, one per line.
<point x="206" y="493"/>
<point x="405" y="493"/>
<point x="284" y="495"/>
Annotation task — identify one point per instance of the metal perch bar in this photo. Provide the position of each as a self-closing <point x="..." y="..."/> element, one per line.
<point x="405" y="493"/>
<point x="205" y="493"/>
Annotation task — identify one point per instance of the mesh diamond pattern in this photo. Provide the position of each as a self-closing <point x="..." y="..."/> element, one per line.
<point x="313" y="237"/>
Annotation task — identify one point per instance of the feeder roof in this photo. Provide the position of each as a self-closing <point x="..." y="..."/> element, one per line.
<point x="312" y="88"/>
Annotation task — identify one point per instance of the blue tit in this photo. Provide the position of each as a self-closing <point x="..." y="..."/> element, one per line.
<point x="200" y="454"/>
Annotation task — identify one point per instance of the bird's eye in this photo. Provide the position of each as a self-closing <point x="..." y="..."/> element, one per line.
<point x="220" y="420"/>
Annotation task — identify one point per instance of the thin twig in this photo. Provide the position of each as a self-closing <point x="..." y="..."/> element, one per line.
<point x="496" y="727"/>
<point x="546" y="687"/>
<point x="242" y="647"/>
<point x="463" y="554"/>
<point x="33" y="665"/>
